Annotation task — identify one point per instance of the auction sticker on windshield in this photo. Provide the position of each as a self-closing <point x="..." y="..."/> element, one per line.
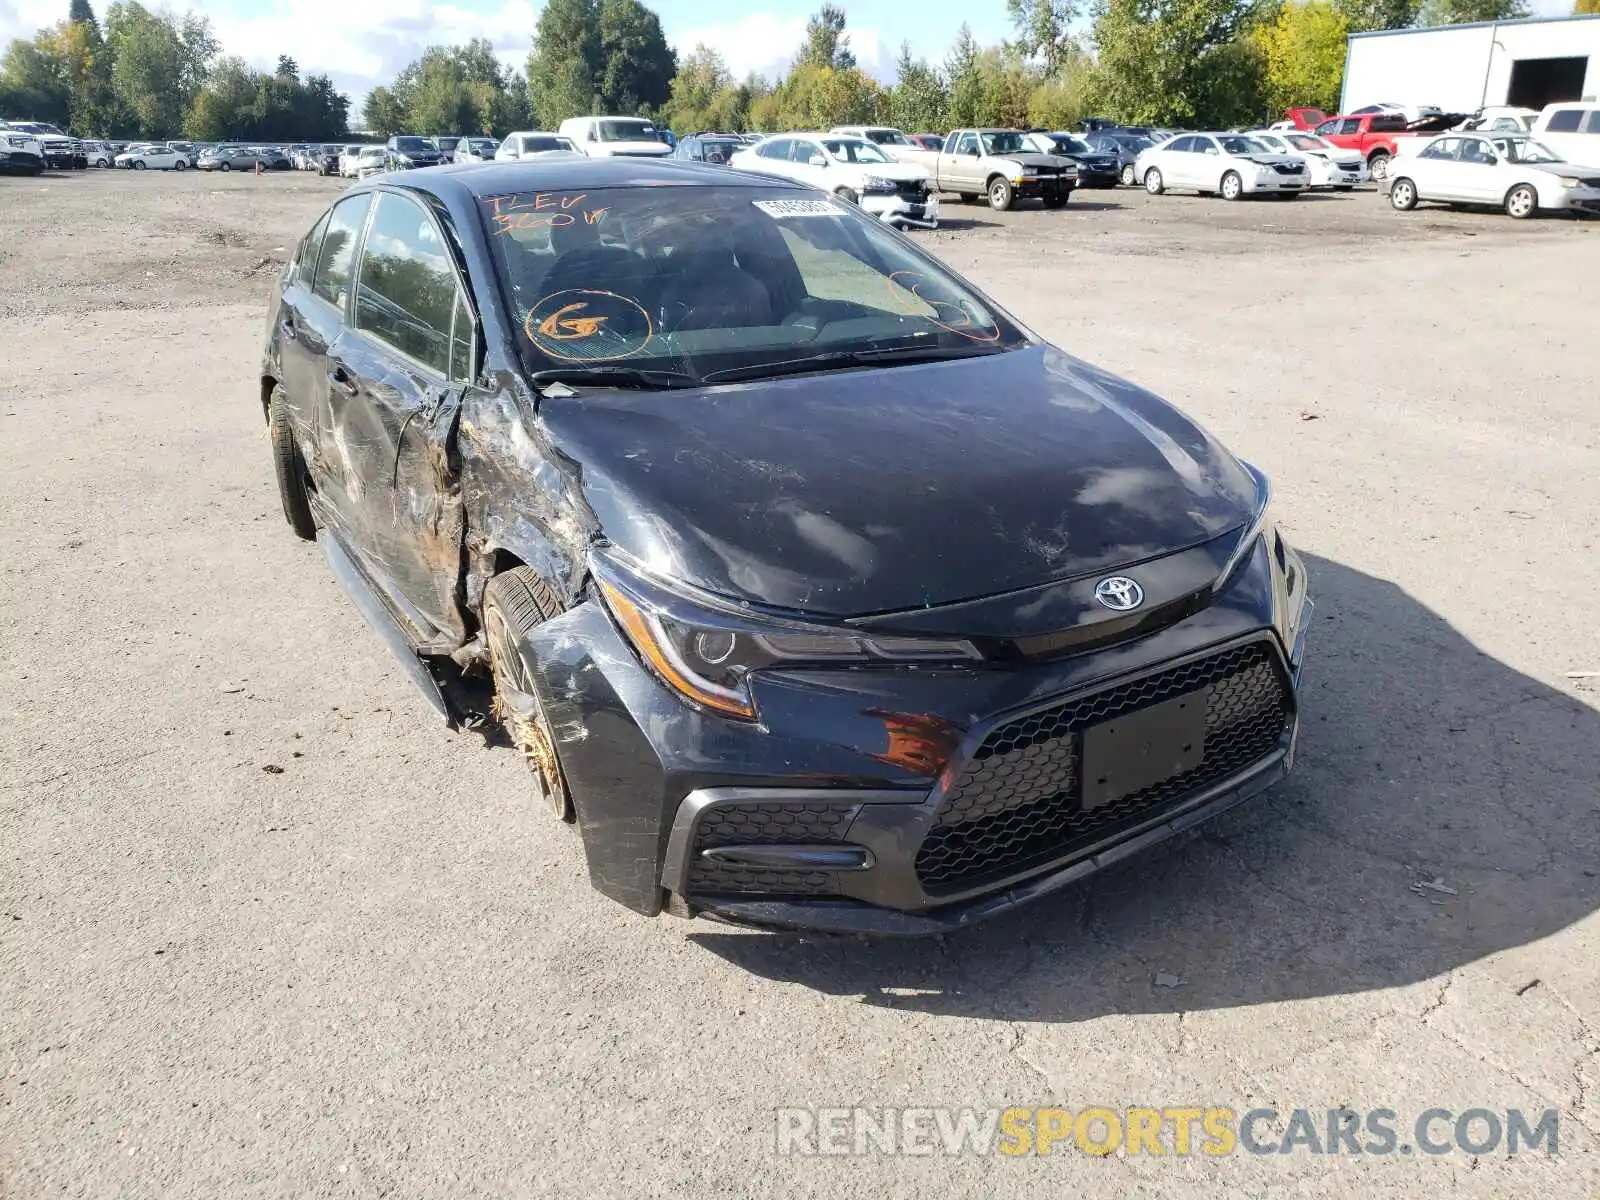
<point x="798" y="208"/>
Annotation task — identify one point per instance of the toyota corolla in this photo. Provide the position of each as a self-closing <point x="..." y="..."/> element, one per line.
<point x="816" y="589"/>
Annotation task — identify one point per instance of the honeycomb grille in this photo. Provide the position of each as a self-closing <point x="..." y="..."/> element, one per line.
<point x="1017" y="803"/>
<point x="792" y="823"/>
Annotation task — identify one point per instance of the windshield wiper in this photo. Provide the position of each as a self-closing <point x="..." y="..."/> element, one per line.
<point x="842" y="360"/>
<point x="608" y="376"/>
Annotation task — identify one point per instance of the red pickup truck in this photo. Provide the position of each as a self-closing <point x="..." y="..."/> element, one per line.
<point x="1376" y="135"/>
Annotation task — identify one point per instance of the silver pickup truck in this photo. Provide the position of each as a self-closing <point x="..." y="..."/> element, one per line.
<point x="996" y="163"/>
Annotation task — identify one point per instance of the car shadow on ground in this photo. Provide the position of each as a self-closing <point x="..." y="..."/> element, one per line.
<point x="952" y="224"/>
<point x="1442" y="810"/>
<point x="1094" y="206"/>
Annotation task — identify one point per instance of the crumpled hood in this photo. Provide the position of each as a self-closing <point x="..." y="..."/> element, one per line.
<point x="855" y="492"/>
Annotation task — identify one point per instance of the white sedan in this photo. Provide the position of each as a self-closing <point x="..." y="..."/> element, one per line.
<point x="1510" y="171"/>
<point x="850" y="167"/>
<point x="1330" y="166"/>
<point x="156" y="158"/>
<point x="1230" y="164"/>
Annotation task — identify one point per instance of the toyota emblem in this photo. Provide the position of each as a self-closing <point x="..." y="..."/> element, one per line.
<point x="1119" y="593"/>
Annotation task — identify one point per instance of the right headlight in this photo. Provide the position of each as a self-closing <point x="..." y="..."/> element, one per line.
<point x="1570" y="181"/>
<point x="1260" y="522"/>
<point x="706" y="649"/>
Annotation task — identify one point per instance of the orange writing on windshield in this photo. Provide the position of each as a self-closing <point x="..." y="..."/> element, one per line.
<point x="562" y="327"/>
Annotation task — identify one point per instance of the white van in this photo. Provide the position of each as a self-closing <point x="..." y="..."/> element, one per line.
<point x="1572" y="130"/>
<point x="606" y="137"/>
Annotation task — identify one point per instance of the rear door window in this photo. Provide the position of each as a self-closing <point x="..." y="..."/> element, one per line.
<point x="1350" y="125"/>
<point x="1565" y="120"/>
<point x="338" y="253"/>
<point x="305" y="258"/>
<point x="1592" y="125"/>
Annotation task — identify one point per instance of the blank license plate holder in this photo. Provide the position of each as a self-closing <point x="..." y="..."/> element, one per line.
<point x="1143" y="748"/>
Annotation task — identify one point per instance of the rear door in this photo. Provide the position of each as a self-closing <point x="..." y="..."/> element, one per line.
<point x="302" y="370"/>
<point x="319" y="321"/>
<point x="1437" y="170"/>
<point x="398" y="370"/>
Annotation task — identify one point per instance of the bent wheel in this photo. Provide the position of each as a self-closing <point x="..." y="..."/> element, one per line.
<point x="514" y="603"/>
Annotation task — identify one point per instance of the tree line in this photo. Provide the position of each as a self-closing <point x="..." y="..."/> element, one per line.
<point x="1163" y="62"/>
<point x="151" y="74"/>
<point x="1210" y="63"/>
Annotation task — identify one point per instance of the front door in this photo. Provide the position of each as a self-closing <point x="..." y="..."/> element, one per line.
<point x="966" y="167"/>
<point x="398" y="371"/>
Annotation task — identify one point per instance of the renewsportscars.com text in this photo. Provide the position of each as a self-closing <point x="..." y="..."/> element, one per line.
<point x="1211" y="1131"/>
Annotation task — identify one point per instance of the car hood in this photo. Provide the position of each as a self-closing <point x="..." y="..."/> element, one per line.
<point x="888" y="489"/>
<point x="1273" y="160"/>
<point x="909" y="172"/>
<point x="1030" y="158"/>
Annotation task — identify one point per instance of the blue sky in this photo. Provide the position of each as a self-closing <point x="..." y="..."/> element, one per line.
<point x="362" y="43"/>
<point x="365" y="42"/>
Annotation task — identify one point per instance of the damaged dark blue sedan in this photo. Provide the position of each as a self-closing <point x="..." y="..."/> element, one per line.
<point x="816" y="590"/>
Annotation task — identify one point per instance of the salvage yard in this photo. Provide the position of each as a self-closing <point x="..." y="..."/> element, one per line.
<point x="267" y="928"/>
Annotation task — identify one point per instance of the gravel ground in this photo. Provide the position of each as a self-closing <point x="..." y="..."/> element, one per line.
<point x="267" y="929"/>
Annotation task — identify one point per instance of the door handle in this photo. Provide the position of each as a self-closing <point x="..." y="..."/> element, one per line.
<point x="343" y="380"/>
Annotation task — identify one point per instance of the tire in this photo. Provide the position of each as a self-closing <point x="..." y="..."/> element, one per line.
<point x="1153" y="182"/>
<point x="1000" y="194"/>
<point x="180" y="165"/>
<point x="101" y="163"/>
<point x="1056" y="199"/>
<point x="289" y="467"/>
<point x="1378" y="167"/>
<point x="1403" y="194"/>
<point x="1127" y="175"/>
<point x="515" y="602"/>
<point x="227" y="166"/>
<point x="969" y="197"/>
<point x="848" y="195"/>
<point x="1232" y="186"/>
<point x="138" y="164"/>
<point x="1522" y="202"/>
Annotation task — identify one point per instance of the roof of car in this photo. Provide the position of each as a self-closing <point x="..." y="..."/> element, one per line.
<point x="556" y="174"/>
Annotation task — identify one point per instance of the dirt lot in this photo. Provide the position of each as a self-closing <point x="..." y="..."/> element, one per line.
<point x="379" y="971"/>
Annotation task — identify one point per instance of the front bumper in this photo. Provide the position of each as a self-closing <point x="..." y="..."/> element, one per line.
<point x="903" y="210"/>
<point x="903" y="800"/>
<point x="1036" y="188"/>
<point x="1585" y="200"/>
<point x="1268" y="184"/>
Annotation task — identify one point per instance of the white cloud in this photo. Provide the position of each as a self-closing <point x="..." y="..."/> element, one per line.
<point x="766" y="44"/>
<point x="363" y="43"/>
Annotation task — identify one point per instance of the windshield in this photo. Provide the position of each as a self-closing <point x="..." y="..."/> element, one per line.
<point x="854" y="150"/>
<point x="1065" y="143"/>
<point x="887" y="137"/>
<point x="1242" y="145"/>
<point x="1267" y="141"/>
<point x="1306" y="141"/>
<point x="1526" y="150"/>
<point x="411" y="143"/>
<point x="624" y="131"/>
<point x="708" y="279"/>
<point x="1004" y="143"/>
